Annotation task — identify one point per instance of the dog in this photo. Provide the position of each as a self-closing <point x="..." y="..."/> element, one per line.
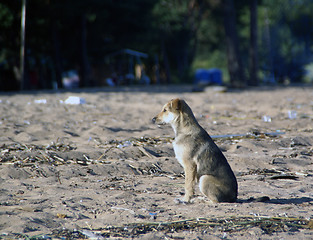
<point x="202" y="160"/>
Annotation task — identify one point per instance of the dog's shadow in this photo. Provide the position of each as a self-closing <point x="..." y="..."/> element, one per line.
<point x="118" y="129"/>
<point x="278" y="200"/>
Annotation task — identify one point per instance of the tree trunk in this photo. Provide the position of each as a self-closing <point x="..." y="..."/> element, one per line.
<point x="237" y="78"/>
<point x="57" y="55"/>
<point x="253" y="80"/>
<point x="22" y="47"/>
<point x="84" y="65"/>
<point x="166" y="63"/>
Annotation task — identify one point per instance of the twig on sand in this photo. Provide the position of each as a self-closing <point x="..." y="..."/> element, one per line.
<point x="269" y="225"/>
<point x="145" y="152"/>
<point x="58" y="176"/>
<point x="124" y="209"/>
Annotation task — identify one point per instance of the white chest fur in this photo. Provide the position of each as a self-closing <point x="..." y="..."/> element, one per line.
<point x="179" y="152"/>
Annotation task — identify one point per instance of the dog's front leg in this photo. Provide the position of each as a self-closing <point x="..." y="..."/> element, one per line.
<point x="190" y="178"/>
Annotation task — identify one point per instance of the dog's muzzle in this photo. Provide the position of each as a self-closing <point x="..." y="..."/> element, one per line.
<point x="155" y="121"/>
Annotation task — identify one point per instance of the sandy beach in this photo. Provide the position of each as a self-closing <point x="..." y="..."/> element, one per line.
<point x="102" y="170"/>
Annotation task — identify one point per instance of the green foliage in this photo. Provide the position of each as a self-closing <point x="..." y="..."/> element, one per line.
<point x="171" y="16"/>
<point x="184" y="34"/>
<point x="308" y="77"/>
<point x="287" y="28"/>
<point x="6" y="16"/>
<point x="177" y="23"/>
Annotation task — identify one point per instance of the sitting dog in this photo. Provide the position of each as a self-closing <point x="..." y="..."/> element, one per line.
<point x="201" y="159"/>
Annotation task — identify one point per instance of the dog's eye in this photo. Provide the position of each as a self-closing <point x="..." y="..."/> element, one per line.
<point x="164" y="110"/>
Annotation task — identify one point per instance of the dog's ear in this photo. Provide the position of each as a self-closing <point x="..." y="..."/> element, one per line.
<point x="176" y="104"/>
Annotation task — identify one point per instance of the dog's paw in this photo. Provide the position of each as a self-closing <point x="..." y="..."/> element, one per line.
<point x="180" y="201"/>
<point x="201" y="199"/>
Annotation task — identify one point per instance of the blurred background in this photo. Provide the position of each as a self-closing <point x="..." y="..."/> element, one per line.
<point x="54" y="44"/>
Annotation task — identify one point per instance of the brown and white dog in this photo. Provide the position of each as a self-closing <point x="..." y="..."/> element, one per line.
<point x="201" y="159"/>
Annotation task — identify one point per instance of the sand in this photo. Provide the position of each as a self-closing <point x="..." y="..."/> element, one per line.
<point x="82" y="170"/>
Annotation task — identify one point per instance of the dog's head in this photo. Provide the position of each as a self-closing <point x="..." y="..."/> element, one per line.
<point x="170" y="112"/>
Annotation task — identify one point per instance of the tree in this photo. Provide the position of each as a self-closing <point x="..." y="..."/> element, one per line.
<point x="9" y="42"/>
<point x="177" y="23"/>
<point x="183" y="34"/>
<point x="288" y="28"/>
<point x="253" y="63"/>
<point x="235" y="67"/>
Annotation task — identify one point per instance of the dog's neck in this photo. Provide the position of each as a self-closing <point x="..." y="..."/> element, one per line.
<point x="184" y="124"/>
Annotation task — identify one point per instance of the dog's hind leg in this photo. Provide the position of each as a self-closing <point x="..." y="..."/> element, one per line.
<point x="209" y="187"/>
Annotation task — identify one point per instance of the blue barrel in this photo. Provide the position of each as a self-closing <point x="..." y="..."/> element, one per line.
<point x="208" y="77"/>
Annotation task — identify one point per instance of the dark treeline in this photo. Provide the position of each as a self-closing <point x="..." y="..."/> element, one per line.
<point x="155" y="41"/>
